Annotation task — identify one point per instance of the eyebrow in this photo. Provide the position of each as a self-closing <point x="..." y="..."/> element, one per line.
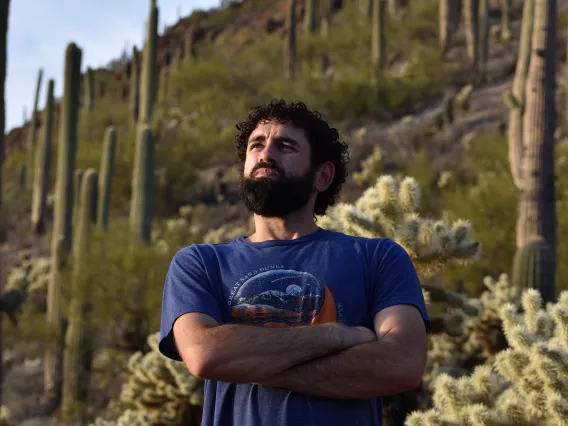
<point x="288" y="139"/>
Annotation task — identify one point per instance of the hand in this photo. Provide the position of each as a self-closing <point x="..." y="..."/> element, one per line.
<point x="352" y="336"/>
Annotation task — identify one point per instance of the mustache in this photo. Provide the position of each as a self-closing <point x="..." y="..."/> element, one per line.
<point x="267" y="166"/>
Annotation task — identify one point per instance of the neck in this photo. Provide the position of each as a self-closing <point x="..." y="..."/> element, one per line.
<point x="293" y="226"/>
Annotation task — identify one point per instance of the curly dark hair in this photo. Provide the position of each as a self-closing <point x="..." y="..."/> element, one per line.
<point x="324" y="141"/>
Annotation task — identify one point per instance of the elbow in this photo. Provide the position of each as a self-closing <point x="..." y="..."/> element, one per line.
<point x="412" y="378"/>
<point x="200" y="363"/>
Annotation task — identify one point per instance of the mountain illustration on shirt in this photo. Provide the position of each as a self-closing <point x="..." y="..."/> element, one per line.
<point x="283" y="298"/>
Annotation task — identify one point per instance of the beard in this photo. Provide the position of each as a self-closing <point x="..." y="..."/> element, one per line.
<point x="276" y="196"/>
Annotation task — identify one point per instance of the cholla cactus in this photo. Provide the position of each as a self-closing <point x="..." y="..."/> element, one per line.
<point x="389" y="210"/>
<point x="128" y="418"/>
<point x="161" y="389"/>
<point x="369" y="166"/>
<point x="527" y="384"/>
<point x="473" y="333"/>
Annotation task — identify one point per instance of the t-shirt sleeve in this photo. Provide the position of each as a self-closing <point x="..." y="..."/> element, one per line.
<point x="187" y="288"/>
<point x="396" y="281"/>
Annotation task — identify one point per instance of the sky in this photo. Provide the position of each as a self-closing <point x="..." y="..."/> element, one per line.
<point x="39" y="31"/>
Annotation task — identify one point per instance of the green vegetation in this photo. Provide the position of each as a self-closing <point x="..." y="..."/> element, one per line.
<point x="139" y="152"/>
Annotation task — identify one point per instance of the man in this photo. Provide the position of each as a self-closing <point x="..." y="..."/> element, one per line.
<point x="294" y="325"/>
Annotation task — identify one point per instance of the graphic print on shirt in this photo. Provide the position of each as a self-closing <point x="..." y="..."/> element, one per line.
<point x="282" y="298"/>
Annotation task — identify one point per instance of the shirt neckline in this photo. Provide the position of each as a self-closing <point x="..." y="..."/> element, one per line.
<point x="315" y="235"/>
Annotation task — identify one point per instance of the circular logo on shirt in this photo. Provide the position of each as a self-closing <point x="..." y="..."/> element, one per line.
<point x="283" y="298"/>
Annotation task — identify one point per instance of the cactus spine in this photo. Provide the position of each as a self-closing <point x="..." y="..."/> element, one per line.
<point x="62" y="226"/>
<point x="42" y="165"/>
<point x="105" y="177"/>
<point x="32" y="133"/>
<point x="515" y="98"/>
<point x="135" y="85"/>
<point x="379" y="53"/>
<point x="537" y="209"/>
<point x="533" y="268"/>
<point x="290" y="47"/>
<point x="142" y="185"/>
<point x="148" y="78"/>
<point x="78" y="339"/>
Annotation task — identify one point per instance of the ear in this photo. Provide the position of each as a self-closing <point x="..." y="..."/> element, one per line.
<point x="324" y="176"/>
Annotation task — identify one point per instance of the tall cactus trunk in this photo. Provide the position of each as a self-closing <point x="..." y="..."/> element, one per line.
<point x="148" y="78"/>
<point x="290" y="47"/>
<point x="515" y="98"/>
<point x="506" y="6"/>
<point x="79" y="336"/>
<point x="105" y="177"/>
<point x="379" y="49"/>
<point x="449" y="12"/>
<point x="32" y="129"/>
<point x="62" y="226"/>
<point x="77" y="181"/>
<point x="310" y="17"/>
<point x="4" y="12"/>
<point x="537" y="209"/>
<point x="142" y="186"/>
<point x="42" y="166"/>
<point x="89" y="95"/>
<point x="483" y="40"/>
<point x="135" y="85"/>
<point x="470" y="13"/>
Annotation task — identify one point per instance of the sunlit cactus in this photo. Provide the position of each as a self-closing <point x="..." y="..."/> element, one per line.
<point x="161" y="389"/>
<point x="526" y="384"/>
<point x="389" y="210"/>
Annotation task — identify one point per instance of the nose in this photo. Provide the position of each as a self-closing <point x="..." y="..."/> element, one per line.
<point x="268" y="152"/>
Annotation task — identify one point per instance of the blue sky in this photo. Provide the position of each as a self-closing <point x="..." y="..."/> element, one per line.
<point x="39" y="31"/>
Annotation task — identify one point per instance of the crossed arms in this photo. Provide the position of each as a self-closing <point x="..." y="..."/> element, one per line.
<point x="330" y="360"/>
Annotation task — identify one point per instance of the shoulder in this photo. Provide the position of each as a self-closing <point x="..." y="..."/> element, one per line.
<point x="202" y="252"/>
<point x="376" y="248"/>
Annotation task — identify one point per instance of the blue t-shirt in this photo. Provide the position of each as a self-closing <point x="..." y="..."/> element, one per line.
<point x="333" y="276"/>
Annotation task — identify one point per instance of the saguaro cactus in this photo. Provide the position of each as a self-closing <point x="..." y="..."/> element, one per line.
<point x="89" y="95"/>
<point x="78" y="339"/>
<point x="533" y="268"/>
<point x="62" y="226"/>
<point x="142" y="185"/>
<point x="105" y="177"/>
<point x="32" y="132"/>
<point x="537" y="209"/>
<point x="379" y="53"/>
<point x="483" y="38"/>
<point x="43" y="165"/>
<point x="515" y="98"/>
<point x="470" y="13"/>
<point x="148" y="78"/>
<point x="290" y="47"/>
<point x="135" y="85"/>
<point x="310" y="17"/>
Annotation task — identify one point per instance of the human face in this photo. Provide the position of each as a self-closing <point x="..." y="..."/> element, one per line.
<point x="277" y="177"/>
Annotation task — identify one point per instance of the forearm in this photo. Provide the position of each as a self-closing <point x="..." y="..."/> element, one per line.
<point x="242" y="353"/>
<point x="365" y="371"/>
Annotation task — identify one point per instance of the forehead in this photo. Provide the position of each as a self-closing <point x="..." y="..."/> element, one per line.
<point x="274" y="129"/>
